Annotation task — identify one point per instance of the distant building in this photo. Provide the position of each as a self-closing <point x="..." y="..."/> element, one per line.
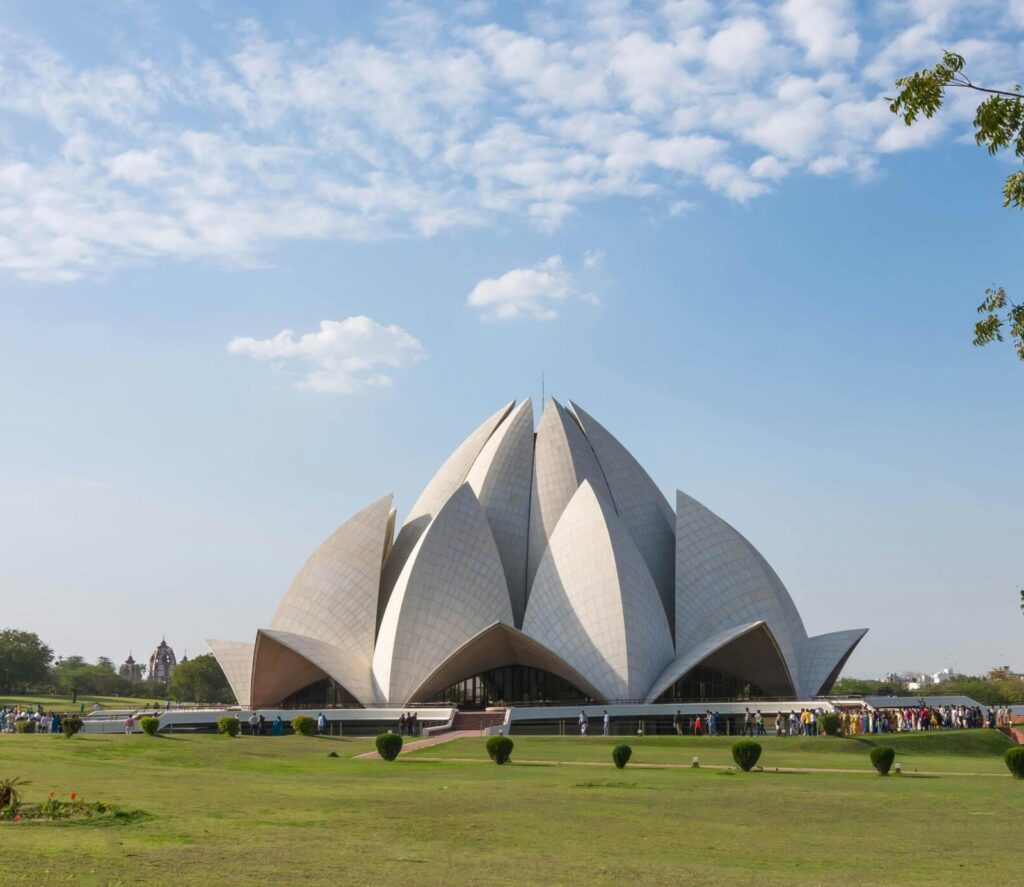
<point x="131" y="669"/>
<point x="161" y="663"/>
<point x="1003" y="673"/>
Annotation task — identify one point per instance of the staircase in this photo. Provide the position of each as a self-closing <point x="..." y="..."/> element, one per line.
<point x="478" y="721"/>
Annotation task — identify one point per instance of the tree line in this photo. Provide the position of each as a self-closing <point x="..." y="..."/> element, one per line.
<point x="987" y="691"/>
<point x="28" y="665"/>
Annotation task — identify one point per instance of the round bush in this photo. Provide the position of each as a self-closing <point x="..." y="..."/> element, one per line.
<point x="229" y="726"/>
<point x="499" y="749"/>
<point x="25" y="726"/>
<point x="829" y="723"/>
<point x="621" y="755"/>
<point x="746" y="753"/>
<point x="70" y="725"/>
<point x="881" y="759"/>
<point x="150" y="726"/>
<point x="389" y="745"/>
<point x="1015" y="761"/>
<point x="304" y="725"/>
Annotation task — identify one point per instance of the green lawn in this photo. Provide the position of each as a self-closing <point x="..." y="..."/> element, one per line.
<point x="974" y="751"/>
<point x="64" y="703"/>
<point x="279" y="810"/>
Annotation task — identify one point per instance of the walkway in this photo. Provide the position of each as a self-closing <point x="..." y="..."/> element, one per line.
<point x="428" y="742"/>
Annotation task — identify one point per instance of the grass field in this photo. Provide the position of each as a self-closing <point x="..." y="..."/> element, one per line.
<point x="64" y="703"/>
<point x="265" y="810"/>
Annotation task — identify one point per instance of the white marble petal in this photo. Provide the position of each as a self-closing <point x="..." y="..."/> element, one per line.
<point x="748" y="651"/>
<point x="722" y="581"/>
<point x="594" y="604"/>
<point x="334" y="596"/>
<point x="285" y="663"/>
<point x="451" y="588"/>
<point x="823" y="658"/>
<point x="640" y="505"/>
<point x="563" y="459"/>
<point x="449" y="477"/>
<point x="501" y="478"/>
<point x="235" y="660"/>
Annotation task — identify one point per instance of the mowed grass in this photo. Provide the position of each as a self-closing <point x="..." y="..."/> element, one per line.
<point x="961" y="751"/>
<point x="279" y="810"/>
<point x="64" y="703"/>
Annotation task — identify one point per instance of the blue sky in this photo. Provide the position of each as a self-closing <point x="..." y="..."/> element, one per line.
<point x="262" y="265"/>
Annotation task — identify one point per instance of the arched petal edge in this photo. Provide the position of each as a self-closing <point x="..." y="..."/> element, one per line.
<point x="452" y="586"/>
<point x="284" y="663"/>
<point x="235" y="659"/>
<point x="333" y="598"/>
<point x="823" y="658"/>
<point x="494" y="647"/>
<point x="749" y="651"/>
<point x="449" y="477"/>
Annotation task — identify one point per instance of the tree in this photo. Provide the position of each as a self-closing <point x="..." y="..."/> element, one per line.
<point x="24" y="660"/>
<point x="998" y="125"/>
<point x="199" y="680"/>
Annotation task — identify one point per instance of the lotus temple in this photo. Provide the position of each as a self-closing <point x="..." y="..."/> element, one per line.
<point x="537" y="566"/>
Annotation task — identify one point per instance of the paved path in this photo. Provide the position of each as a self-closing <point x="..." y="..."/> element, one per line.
<point x="910" y="773"/>
<point x="428" y="742"/>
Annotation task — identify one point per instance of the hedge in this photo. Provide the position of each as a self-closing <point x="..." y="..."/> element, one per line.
<point x="229" y="725"/>
<point x="499" y="749"/>
<point x="25" y="726"/>
<point x="621" y="755"/>
<point x="746" y="753"/>
<point x="1015" y="761"/>
<point x="304" y="725"/>
<point x="881" y="759"/>
<point x="70" y="725"/>
<point x="829" y="723"/>
<point x="389" y="745"/>
<point x="150" y="726"/>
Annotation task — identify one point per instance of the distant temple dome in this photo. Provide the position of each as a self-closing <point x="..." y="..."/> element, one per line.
<point x="131" y="669"/>
<point x="539" y="565"/>
<point x="161" y="663"/>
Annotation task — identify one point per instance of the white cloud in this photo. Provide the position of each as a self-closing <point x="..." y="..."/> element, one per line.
<point x="345" y="355"/>
<point x="593" y="258"/>
<point x="226" y="152"/>
<point x="741" y="46"/>
<point x="823" y="28"/>
<point x="530" y="292"/>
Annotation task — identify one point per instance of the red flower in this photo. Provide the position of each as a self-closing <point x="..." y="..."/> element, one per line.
<point x="72" y="796"/>
<point x="17" y="817"/>
<point x="53" y="794"/>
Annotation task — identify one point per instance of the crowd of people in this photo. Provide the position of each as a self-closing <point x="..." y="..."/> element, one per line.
<point x="45" y="722"/>
<point x="409" y="724"/>
<point x="925" y="717"/>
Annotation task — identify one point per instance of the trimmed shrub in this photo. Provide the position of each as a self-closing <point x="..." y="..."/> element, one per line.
<point x="1015" y="761"/>
<point x="389" y="745"/>
<point x="621" y="755"/>
<point x="829" y="723"/>
<point x="25" y="726"/>
<point x="229" y="726"/>
<point x="304" y="725"/>
<point x="499" y="749"/>
<point x="70" y="725"/>
<point x="746" y="753"/>
<point x="150" y="725"/>
<point x="881" y="759"/>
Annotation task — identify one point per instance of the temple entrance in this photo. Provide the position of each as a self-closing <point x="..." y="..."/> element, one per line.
<point x="508" y="684"/>
<point x="710" y="685"/>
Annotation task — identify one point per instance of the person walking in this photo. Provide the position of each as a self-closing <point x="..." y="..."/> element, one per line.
<point x="402" y="724"/>
<point x="677" y="722"/>
<point x="759" y="723"/>
<point x="606" y="723"/>
<point x="748" y="723"/>
<point x="129" y="725"/>
<point x="253" y="723"/>
<point x="583" y="723"/>
<point x="278" y="726"/>
<point x="321" y="724"/>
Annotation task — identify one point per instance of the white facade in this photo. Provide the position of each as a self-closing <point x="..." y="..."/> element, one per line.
<point x="553" y="552"/>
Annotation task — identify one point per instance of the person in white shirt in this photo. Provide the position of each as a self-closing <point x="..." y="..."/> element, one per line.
<point x="607" y="722"/>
